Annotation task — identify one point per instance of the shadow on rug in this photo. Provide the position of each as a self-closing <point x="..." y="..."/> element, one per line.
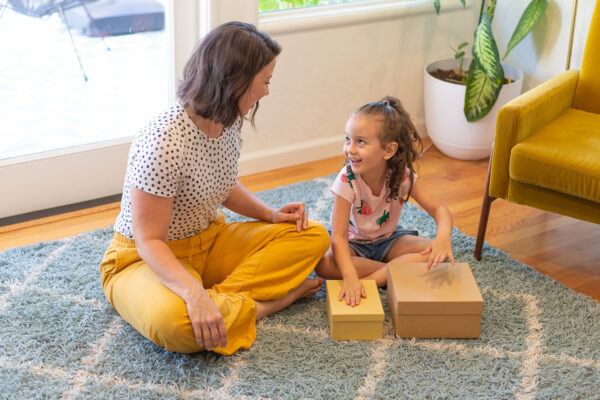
<point x="59" y="337"/>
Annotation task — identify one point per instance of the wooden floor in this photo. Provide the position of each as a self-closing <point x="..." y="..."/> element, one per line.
<point x="564" y="248"/>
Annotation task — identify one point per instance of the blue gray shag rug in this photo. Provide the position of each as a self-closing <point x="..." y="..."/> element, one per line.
<point x="59" y="337"/>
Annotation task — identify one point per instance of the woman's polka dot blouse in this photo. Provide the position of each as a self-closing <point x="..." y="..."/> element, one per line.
<point x="171" y="157"/>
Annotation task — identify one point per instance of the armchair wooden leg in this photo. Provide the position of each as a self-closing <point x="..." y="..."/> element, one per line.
<point x="485" y="213"/>
<point x="483" y="219"/>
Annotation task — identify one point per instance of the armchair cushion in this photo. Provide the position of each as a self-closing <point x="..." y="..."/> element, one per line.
<point x="563" y="156"/>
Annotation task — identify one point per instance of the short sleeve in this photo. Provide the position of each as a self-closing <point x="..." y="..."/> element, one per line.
<point x="238" y="128"/>
<point x="343" y="186"/>
<point x="156" y="167"/>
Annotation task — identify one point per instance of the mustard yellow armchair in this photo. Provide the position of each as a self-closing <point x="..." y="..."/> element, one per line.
<point x="546" y="151"/>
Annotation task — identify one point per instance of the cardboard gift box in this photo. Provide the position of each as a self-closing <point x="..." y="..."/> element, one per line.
<point x="361" y="322"/>
<point x="444" y="302"/>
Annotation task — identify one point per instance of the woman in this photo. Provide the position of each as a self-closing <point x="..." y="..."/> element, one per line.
<point x="175" y="270"/>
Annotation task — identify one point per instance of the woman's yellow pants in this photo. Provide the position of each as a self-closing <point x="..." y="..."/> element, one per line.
<point x="236" y="263"/>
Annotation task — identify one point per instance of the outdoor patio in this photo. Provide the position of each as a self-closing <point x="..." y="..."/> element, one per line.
<point x="45" y="103"/>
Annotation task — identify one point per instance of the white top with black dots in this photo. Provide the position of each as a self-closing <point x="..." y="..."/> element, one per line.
<point x="171" y="157"/>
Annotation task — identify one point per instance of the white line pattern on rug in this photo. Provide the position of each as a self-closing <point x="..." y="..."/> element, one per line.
<point x="534" y="350"/>
<point x="458" y="348"/>
<point x="16" y="288"/>
<point x="97" y="350"/>
<point x="323" y="201"/>
<point x="116" y="381"/>
<point x="378" y="366"/>
<point x="234" y="376"/>
<point x="530" y="357"/>
<point x="496" y="293"/>
<point x="571" y="360"/>
<point x="34" y="368"/>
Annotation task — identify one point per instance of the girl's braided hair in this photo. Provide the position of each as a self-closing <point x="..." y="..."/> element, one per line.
<point x="396" y="126"/>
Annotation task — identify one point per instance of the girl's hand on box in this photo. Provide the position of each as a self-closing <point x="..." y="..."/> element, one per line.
<point x="353" y="290"/>
<point x="439" y="251"/>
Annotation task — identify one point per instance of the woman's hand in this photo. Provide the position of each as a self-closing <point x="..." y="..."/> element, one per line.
<point x="245" y="203"/>
<point x="292" y="212"/>
<point x="439" y="251"/>
<point x="353" y="290"/>
<point x="207" y="321"/>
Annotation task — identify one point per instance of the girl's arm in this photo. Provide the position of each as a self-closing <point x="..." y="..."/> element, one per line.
<point x="352" y="288"/>
<point x="244" y="202"/>
<point x="151" y="216"/>
<point x="441" y="247"/>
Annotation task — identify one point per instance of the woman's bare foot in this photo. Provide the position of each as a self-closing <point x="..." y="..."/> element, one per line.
<point x="306" y="289"/>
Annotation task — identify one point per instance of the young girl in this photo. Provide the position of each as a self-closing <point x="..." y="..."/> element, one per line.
<point x="370" y="190"/>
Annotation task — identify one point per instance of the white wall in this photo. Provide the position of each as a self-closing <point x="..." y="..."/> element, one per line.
<point x="543" y="53"/>
<point x="325" y="73"/>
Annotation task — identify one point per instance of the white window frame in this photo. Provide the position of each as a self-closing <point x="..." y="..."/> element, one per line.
<point x="311" y="18"/>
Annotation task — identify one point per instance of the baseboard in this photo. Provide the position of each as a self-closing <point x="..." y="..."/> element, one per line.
<point x="58" y="178"/>
<point x="49" y="212"/>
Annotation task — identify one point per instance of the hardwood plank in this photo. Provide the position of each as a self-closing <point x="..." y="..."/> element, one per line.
<point x="59" y="217"/>
<point x="51" y="228"/>
<point x="563" y="248"/>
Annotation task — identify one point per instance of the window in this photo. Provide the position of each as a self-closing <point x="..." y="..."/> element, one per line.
<point x="275" y="5"/>
<point x="97" y="74"/>
<point x="63" y="139"/>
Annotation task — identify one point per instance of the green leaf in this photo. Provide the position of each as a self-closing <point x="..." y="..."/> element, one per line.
<point x="463" y="44"/>
<point x="268" y="5"/>
<point x="459" y="55"/>
<point x="485" y="49"/>
<point x="481" y="92"/>
<point x="301" y="3"/>
<point x="491" y="10"/>
<point x="436" y="5"/>
<point x="530" y="17"/>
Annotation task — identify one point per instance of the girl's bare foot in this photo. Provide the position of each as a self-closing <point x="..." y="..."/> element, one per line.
<point x="380" y="276"/>
<point x="306" y="289"/>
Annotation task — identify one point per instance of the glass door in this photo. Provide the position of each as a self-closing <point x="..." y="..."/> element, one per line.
<point x="78" y="79"/>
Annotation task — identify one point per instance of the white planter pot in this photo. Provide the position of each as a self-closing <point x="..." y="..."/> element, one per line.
<point x="447" y="126"/>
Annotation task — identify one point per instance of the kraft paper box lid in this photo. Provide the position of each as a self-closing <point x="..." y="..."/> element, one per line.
<point x="446" y="289"/>
<point x="369" y="309"/>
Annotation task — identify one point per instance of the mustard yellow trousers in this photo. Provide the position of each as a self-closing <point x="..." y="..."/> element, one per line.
<point x="237" y="263"/>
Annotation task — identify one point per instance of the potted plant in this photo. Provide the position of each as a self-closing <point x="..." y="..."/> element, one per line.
<point x="462" y="96"/>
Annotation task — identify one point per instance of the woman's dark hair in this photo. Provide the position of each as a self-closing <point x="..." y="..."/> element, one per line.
<point x="222" y="68"/>
<point x="396" y="126"/>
